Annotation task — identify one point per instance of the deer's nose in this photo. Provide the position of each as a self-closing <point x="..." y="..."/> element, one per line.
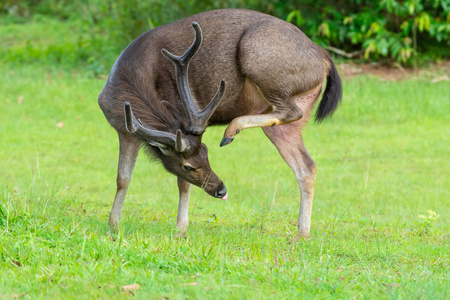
<point x="221" y="192"/>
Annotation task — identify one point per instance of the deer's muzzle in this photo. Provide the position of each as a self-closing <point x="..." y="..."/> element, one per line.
<point x="221" y="192"/>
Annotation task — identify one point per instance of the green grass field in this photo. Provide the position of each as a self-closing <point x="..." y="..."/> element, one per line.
<point x="380" y="224"/>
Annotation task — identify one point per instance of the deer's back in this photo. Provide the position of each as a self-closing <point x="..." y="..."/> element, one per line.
<point x="244" y="47"/>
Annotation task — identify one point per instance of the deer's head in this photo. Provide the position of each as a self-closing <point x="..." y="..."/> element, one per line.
<point x="184" y="154"/>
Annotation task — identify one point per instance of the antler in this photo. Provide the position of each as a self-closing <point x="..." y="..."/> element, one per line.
<point x="197" y="120"/>
<point x="135" y="126"/>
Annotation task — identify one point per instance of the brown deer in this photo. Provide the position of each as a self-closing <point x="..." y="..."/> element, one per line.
<point x="273" y="75"/>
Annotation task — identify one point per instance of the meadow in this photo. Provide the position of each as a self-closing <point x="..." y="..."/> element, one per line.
<point x="380" y="227"/>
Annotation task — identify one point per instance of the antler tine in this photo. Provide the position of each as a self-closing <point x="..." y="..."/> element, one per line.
<point x="206" y="113"/>
<point x="184" y="59"/>
<point x="134" y="126"/>
<point x="197" y="119"/>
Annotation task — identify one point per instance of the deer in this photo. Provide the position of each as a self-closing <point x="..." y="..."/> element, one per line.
<point x="246" y="69"/>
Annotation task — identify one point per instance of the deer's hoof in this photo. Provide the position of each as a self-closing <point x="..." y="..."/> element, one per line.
<point x="299" y="238"/>
<point x="180" y="235"/>
<point x="114" y="224"/>
<point x="225" y="141"/>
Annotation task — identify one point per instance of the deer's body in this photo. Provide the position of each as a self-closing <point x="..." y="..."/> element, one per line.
<point x="273" y="75"/>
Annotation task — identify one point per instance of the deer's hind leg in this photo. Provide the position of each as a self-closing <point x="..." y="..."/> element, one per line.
<point x="282" y="114"/>
<point x="282" y="111"/>
<point x="288" y="140"/>
<point x="129" y="151"/>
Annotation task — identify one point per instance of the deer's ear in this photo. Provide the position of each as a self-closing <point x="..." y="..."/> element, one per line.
<point x="164" y="148"/>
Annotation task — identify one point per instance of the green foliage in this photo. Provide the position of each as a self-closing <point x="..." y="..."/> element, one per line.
<point x="387" y="29"/>
<point x="103" y="28"/>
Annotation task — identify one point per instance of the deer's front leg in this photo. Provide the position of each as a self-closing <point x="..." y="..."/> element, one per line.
<point x="184" y="189"/>
<point x="129" y="151"/>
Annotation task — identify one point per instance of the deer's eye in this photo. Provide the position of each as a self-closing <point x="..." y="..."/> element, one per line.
<point x="188" y="168"/>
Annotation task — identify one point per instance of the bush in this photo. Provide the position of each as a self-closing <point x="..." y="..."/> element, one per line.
<point x="386" y="29"/>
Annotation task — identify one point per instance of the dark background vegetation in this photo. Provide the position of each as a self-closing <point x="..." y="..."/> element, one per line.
<point x="389" y="31"/>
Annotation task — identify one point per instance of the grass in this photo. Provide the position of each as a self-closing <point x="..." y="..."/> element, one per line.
<point x="44" y="40"/>
<point x="40" y="32"/>
<point x="383" y="178"/>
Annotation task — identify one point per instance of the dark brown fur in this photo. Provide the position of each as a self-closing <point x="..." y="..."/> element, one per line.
<point x="143" y="77"/>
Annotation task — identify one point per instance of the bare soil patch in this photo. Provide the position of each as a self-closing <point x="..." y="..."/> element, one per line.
<point x="436" y="72"/>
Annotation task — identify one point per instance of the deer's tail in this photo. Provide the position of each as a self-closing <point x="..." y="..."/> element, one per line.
<point x="332" y="95"/>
